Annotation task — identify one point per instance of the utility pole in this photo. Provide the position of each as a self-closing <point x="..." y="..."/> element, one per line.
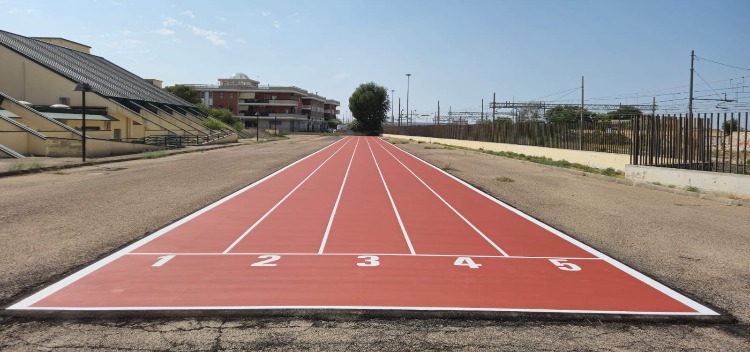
<point x="482" y="118"/>
<point x="580" y="138"/>
<point x="438" y="114"/>
<point x="493" y="107"/>
<point x="408" y="75"/>
<point x="690" y="102"/>
<point x="653" y="108"/>
<point x="392" y="91"/>
<point x="399" y="112"/>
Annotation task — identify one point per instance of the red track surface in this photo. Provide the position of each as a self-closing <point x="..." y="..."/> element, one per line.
<point x="361" y="224"/>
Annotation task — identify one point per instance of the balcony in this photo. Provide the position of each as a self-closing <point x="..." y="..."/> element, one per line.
<point x="268" y="102"/>
<point x="306" y="107"/>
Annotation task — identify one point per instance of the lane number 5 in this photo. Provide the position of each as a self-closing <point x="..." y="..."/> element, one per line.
<point x="563" y="264"/>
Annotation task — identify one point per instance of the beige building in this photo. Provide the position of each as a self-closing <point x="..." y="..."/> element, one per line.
<point x="42" y="115"/>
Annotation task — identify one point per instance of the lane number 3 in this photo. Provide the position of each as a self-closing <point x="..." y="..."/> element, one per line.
<point x="563" y="264"/>
<point x="370" y="260"/>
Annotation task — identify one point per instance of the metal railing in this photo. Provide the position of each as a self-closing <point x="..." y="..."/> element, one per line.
<point x="708" y="142"/>
<point x="597" y="136"/>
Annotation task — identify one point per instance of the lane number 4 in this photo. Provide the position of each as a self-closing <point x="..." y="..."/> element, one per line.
<point x="563" y="264"/>
<point x="466" y="261"/>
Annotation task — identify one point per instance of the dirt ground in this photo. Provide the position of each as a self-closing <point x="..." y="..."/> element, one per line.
<point x="53" y="223"/>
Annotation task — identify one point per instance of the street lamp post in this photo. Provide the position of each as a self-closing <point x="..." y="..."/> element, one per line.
<point x="83" y="88"/>
<point x="275" y="126"/>
<point x="257" y="125"/>
<point x="408" y="75"/>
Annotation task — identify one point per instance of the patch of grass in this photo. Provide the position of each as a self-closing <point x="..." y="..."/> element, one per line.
<point x="58" y="172"/>
<point x="420" y="142"/>
<point x="25" y="165"/>
<point x="447" y="167"/>
<point x="672" y="186"/>
<point x="153" y="154"/>
<point x="547" y="161"/>
<point x="431" y="147"/>
<point x="504" y="179"/>
<point x="693" y="189"/>
<point x="399" y="141"/>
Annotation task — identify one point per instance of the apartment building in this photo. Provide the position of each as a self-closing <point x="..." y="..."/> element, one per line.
<point x="287" y="108"/>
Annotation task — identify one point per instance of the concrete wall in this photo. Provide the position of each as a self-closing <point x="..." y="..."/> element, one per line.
<point x="730" y="184"/>
<point x="593" y="159"/>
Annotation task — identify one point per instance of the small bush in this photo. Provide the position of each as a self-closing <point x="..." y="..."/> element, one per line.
<point x="692" y="189"/>
<point x="447" y="167"/>
<point x="504" y="179"/>
<point x="153" y="155"/>
<point x="212" y="124"/>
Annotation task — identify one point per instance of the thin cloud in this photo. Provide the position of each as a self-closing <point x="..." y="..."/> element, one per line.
<point x="266" y="13"/>
<point x="188" y="13"/>
<point x="169" y="21"/>
<point x="163" y="31"/>
<point x="294" y="15"/>
<point x="125" y="43"/>
<point x="276" y="24"/>
<point x="212" y="36"/>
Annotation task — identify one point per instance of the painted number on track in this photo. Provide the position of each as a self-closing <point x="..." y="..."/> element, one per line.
<point x="267" y="260"/>
<point x="466" y="261"/>
<point x="370" y="260"/>
<point x="163" y="260"/>
<point x="563" y="264"/>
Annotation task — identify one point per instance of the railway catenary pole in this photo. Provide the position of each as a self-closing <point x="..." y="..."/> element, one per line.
<point x="580" y="131"/>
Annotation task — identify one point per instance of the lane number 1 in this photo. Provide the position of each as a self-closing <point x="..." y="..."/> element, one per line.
<point x="563" y="264"/>
<point x="163" y="260"/>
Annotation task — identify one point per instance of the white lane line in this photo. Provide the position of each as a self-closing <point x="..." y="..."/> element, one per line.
<point x="448" y="204"/>
<point x="67" y="281"/>
<point x="359" y="254"/>
<point x="244" y="234"/>
<point x="359" y="308"/>
<point x="701" y="309"/>
<point x="393" y="204"/>
<point x="338" y="198"/>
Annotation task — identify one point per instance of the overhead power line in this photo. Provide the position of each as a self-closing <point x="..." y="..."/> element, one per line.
<point x="723" y="64"/>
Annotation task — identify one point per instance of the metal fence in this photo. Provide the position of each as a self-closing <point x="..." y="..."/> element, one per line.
<point x="608" y="137"/>
<point x="709" y="142"/>
<point x="716" y="142"/>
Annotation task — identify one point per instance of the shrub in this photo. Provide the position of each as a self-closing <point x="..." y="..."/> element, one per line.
<point x="212" y="124"/>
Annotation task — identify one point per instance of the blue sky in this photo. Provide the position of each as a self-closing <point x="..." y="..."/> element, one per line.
<point x="458" y="52"/>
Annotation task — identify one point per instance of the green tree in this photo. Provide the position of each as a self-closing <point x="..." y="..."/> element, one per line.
<point x="369" y="105"/>
<point x="333" y="123"/>
<point x="624" y="112"/>
<point x="567" y="114"/>
<point x="730" y="126"/>
<point x="186" y="93"/>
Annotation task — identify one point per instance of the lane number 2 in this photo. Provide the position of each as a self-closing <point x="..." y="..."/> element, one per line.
<point x="370" y="260"/>
<point x="466" y="261"/>
<point x="563" y="264"/>
<point x="267" y="260"/>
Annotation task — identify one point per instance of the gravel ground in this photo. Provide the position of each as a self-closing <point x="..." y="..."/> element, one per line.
<point x="56" y="222"/>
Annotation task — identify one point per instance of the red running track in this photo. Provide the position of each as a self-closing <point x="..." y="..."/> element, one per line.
<point x="361" y="224"/>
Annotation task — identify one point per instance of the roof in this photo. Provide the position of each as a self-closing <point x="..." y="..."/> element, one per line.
<point x="106" y="78"/>
<point x="63" y="116"/>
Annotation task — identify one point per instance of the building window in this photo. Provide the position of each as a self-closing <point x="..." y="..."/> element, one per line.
<point x="231" y="108"/>
<point x="221" y="95"/>
<point x="231" y="95"/>
<point x="210" y="94"/>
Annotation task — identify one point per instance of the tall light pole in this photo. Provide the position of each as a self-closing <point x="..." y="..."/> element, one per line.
<point x="408" y="75"/>
<point x="392" y="91"/>
<point x="83" y="88"/>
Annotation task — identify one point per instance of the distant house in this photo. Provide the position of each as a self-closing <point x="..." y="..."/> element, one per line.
<point x="41" y="114"/>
